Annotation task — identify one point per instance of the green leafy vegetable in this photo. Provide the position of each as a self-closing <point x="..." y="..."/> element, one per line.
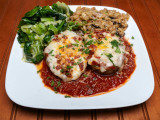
<point x="39" y="25"/>
<point x="47" y="19"/>
<point x="74" y="25"/>
<point x="32" y="12"/>
<point x="62" y="8"/>
<point x="53" y="28"/>
<point x="46" y="40"/>
<point x="33" y="51"/>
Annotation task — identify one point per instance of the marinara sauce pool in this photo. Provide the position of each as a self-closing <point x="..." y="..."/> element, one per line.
<point x="90" y="83"/>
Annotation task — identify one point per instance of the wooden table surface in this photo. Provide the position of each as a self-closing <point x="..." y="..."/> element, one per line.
<point x="147" y="16"/>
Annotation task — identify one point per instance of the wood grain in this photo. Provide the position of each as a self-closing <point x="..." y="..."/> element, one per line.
<point x="93" y="2"/>
<point x="54" y="115"/>
<point x="150" y="31"/>
<point x="137" y="8"/>
<point x="6" y="106"/>
<point x="21" y="112"/>
<point x="5" y="103"/>
<point x="107" y="114"/>
<point x="77" y="2"/>
<point x="149" y="4"/>
<point x="3" y="7"/>
<point x="81" y="115"/>
<point x="109" y="3"/>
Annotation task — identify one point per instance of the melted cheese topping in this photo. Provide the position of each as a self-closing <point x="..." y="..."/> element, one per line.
<point x="64" y="56"/>
<point x="107" y="54"/>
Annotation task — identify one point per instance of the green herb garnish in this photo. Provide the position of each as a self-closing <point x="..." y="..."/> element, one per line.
<point x="38" y="71"/>
<point x="90" y="36"/>
<point x="109" y="55"/>
<point x="118" y="50"/>
<point x="62" y="70"/>
<point x="67" y="96"/>
<point x="52" y="83"/>
<point x="75" y="45"/>
<point x="77" y="41"/>
<point x="58" y="83"/>
<point x="88" y="43"/>
<point x="69" y="67"/>
<point x="67" y="73"/>
<point x="132" y="37"/>
<point x="79" y="60"/>
<point x="87" y="51"/>
<point x="48" y="77"/>
<point x="75" y="63"/>
<point x="85" y="75"/>
<point x="61" y="47"/>
<point x="50" y="52"/>
<point x="131" y="45"/>
<point x="114" y="43"/>
<point x="100" y="42"/>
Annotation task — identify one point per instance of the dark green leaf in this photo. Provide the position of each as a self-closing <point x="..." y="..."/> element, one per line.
<point x="32" y="12"/>
<point x="47" y="39"/>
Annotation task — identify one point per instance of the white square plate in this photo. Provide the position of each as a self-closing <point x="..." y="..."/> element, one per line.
<point x="25" y="87"/>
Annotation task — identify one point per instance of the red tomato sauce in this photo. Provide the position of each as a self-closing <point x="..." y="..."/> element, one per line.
<point x="92" y="84"/>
